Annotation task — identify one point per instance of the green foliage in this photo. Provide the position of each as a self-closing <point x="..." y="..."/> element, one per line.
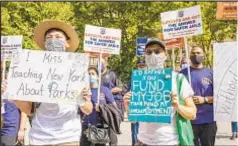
<point x="135" y="19"/>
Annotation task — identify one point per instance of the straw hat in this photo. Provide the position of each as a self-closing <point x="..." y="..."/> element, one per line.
<point x="43" y="27"/>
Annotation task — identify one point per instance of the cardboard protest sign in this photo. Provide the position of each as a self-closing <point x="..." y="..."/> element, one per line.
<point x="9" y="44"/>
<point x="227" y="10"/>
<point x="106" y="40"/>
<point x="182" y="23"/>
<point x="225" y="81"/>
<point x="151" y="101"/>
<point x="140" y="46"/>
<point x="172" y="43"/>
<point x="44" y="76"/>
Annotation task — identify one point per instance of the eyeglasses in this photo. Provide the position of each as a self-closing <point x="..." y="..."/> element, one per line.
<point x="149" y="51"/>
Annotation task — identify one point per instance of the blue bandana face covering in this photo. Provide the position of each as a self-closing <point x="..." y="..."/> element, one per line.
<point x="54" y="45"/>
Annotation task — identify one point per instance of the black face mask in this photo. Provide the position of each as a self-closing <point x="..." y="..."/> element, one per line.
<point x="196" y="59"/>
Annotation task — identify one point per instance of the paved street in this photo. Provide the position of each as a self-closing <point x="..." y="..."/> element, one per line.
<point x="223" y="134"/>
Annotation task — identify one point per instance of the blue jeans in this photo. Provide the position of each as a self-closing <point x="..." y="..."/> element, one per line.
<point x="234" y="127"/>
<point x="134" y="132"/>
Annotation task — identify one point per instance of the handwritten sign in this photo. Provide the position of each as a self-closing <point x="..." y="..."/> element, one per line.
<point x="9" y="44"/>
<point x="227" y="10"/>
<point x="140" y="46"/>
<point x="151" y="101"/>
<point x="182" y="23"/>
<point x="106" y="40"/>
<point x="51" y="77"/>
<point x="225" y="81"/>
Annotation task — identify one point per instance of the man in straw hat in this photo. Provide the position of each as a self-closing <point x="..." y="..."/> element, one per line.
<point x="56" y="124"/>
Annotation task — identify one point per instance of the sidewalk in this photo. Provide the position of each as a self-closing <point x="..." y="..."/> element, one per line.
<point x="222" y="138"/>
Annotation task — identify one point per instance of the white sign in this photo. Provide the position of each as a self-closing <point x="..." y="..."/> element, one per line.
<point x="225" y="81"/>
<point x="51" y="77"/>
<point x="182" y="23"/>
<point x="106" y="40"/>
<point x="8" y="45"/>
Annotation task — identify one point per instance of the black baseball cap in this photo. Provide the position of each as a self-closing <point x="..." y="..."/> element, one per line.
<point x="154" y="41"/>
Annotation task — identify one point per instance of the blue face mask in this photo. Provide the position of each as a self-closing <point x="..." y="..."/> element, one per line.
<point x="92" y="79"/>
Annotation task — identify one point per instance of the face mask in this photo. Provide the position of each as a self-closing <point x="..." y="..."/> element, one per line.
<point x="55" y="45"/>
<point x="155" y="61"/>
<point x="92" y="79"/>
<point x="185" y="65"/>
<point x="196" y="59"/>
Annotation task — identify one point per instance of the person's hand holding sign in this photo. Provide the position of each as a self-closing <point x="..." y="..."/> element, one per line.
<point x="175" y="101"/>
<point x="86" y="95"/>
<point x="126" y="99"/>
<point x="87" y="107"/>
<point x="4" y="86"/>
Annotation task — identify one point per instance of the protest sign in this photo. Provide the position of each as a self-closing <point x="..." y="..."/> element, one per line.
<point x="225" y="81"/>
<point x="151" y="101"/>
<point x="227" y="10"/>
<point x="9" y="44"/>
<point x="182" y="23"/>
<point x="106" y="40"/>
<point x="140" y="45"/>
<point x="102" y="41"/>
<point x="45" y="76"/>
<point x="172" y="43"/>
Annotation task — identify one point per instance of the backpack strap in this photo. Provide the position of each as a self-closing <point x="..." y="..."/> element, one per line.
<point x="179" y="82"/>
<point x="184" y="128"/>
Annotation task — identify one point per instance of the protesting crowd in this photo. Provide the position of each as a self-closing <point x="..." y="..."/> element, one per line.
<point x="105" y="102"/>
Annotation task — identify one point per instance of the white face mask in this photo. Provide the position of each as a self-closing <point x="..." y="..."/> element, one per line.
<point x="57" y="45"/>
<point x="155" y="61"/>
<point x="185" y="65"/>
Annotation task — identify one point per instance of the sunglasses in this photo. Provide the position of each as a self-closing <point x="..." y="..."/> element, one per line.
<point x="149" y="51"/>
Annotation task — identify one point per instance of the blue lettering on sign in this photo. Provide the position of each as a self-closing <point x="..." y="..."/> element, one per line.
<point x="169" y="30"/>
<point x="89" y="42"/>
<point x="100" y="44"/>
<point x="151" y="101"/>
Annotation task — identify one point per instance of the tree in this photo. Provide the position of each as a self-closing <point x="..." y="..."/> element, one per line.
<point x="20" y="18"/>
<point x="135" y="19"/>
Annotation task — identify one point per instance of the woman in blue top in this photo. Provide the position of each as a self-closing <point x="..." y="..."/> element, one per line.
<point x="10" y="128"/>
<point x="106" y="97"/>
